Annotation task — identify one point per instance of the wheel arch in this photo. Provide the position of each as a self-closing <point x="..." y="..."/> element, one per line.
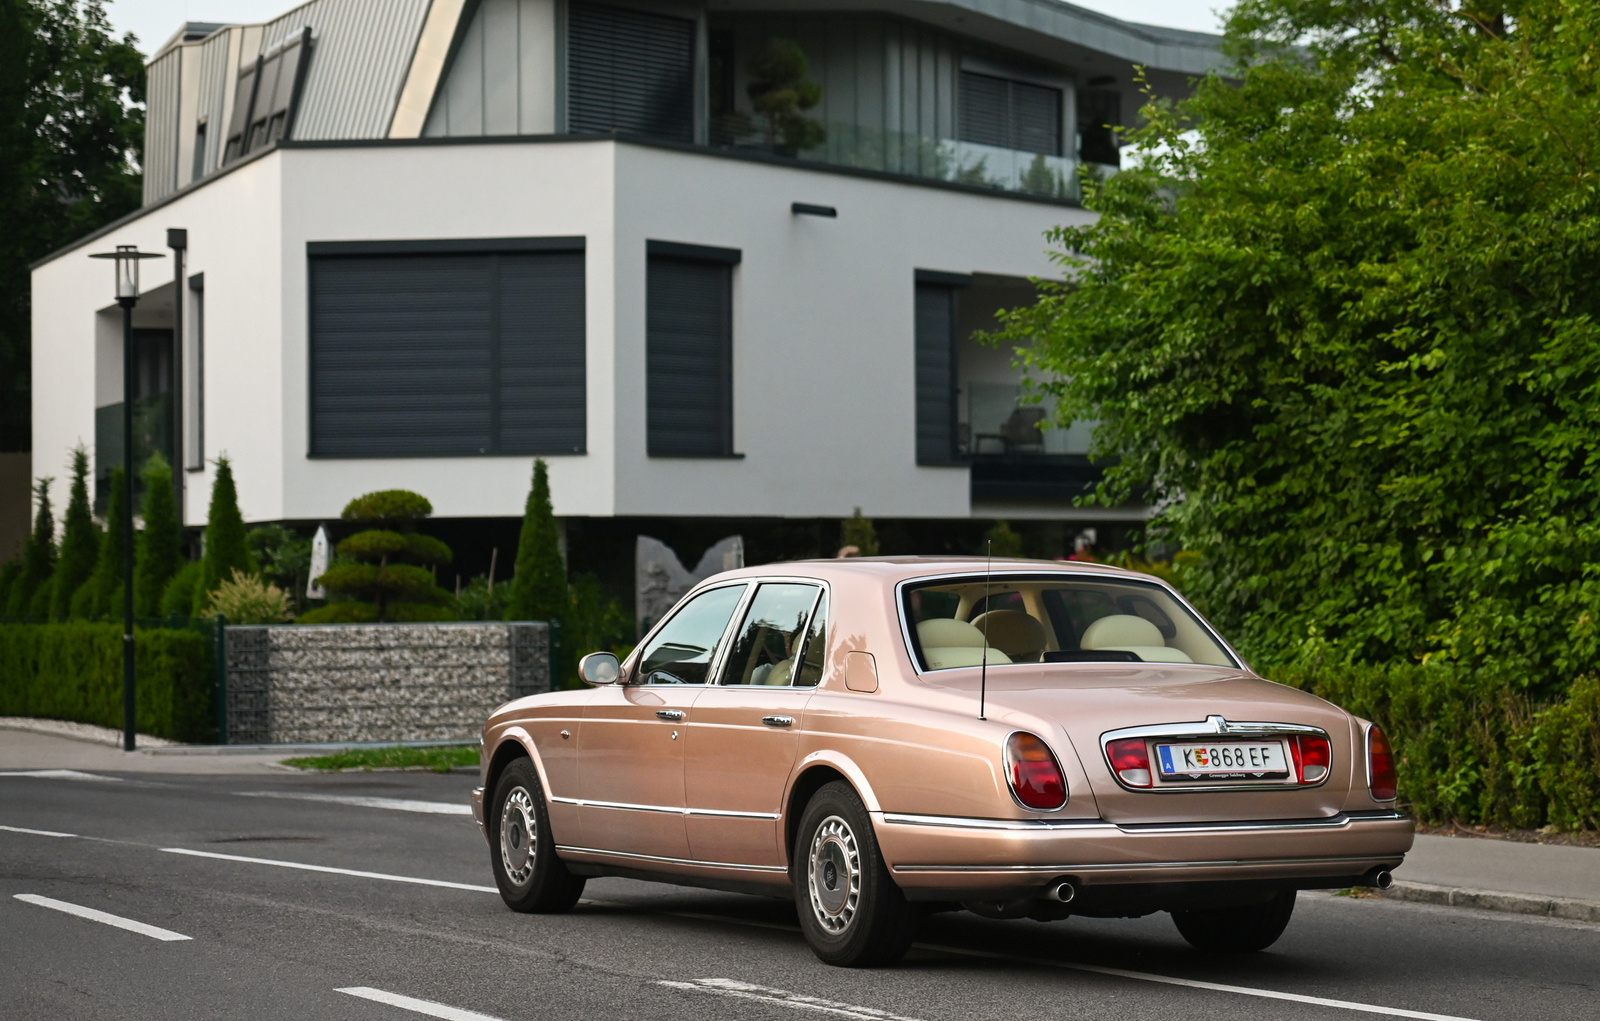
<point x="815" y="772"/>
<point x="514" y="743"/>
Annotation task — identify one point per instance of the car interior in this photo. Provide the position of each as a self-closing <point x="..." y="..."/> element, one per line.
<point x="1009" y="619"/>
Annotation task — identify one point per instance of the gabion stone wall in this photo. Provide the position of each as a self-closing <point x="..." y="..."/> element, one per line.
<point x="306" y="684"/>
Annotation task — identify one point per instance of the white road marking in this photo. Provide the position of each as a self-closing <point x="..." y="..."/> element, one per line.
<point x="105" y="918"/>
<point x="328" y="868"/>
<point x="61" y="774"/>
<point x="36" y="833"/>
<point x="1144" y="976"/>
<point x="427" y="1007"/>
<point x="395" y="804"/>
<point x="782" y="998"/>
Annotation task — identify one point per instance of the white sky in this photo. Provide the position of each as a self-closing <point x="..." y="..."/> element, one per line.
<point x="154" y="21"/>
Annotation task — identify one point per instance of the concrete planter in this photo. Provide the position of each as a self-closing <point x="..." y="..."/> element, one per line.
<point x="378" y="682"/>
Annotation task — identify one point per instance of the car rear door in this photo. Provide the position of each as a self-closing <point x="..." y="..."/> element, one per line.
<point x="743" y="737"/>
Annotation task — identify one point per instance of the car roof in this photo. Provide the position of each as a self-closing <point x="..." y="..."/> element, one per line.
<point x="893" y="570"/>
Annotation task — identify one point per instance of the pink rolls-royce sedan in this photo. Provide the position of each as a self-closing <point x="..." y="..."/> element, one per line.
<point x="882" y="737"/>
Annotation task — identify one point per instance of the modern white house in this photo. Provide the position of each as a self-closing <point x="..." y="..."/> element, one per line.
<point x="431" y="240"/>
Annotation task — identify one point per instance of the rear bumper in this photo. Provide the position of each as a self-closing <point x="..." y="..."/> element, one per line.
<point x="939" y="853"/>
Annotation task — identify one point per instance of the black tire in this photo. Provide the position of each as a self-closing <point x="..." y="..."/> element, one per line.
<point x="526" y="869"/>
<point x="1240" y="929"/>
<point x="851" y="912"/>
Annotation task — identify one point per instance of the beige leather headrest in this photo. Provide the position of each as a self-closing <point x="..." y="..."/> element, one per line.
<point x="948" y="633"/>
<point x="1119" y="631"/>
<point x="1013" y="632"/>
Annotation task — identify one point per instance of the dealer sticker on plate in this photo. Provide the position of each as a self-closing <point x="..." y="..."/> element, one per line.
<point x="1231" y="760"/>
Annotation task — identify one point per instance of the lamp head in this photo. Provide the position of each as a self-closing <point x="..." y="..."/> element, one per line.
<point x="126" y="262"/>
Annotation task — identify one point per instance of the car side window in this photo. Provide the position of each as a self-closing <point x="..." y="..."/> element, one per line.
<point x="812" y="660"/>
<point x="764" y="648"/>
<point x="681" y="652"/>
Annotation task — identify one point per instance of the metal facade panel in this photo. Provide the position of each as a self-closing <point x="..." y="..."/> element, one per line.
<point x="688" y="358"/>
<point x="500" y="65"/>
<point x="360" y="53"/>
<point x="163" y="80"/>
<point x="629" y="70"/>
<point x="212" y="101"/>
<point x="450" y="354"/>
<point x="936" y="373"/>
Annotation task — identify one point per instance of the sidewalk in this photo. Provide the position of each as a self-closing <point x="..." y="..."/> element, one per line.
<point x="49" y="744"/>
<point x="1552" y="880"/>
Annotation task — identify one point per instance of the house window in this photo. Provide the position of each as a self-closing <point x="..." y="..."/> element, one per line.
<point x="1010" y="114"/>
<point x="447" y="349"/>
<point x="629" y="70"/>
<point x="265" y="98"/>
<point x="936" y="366"/>
<point x="689" y="350"/>
<point x="198" y="167"/>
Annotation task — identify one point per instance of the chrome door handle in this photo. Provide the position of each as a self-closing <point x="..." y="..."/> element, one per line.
<point x="778" y="721"/>
<point x="669" y="714"/>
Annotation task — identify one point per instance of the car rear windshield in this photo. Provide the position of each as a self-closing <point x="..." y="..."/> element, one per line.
<point x="1052" y="619"/>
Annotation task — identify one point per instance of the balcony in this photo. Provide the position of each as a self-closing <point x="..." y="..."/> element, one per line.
<point x="1014" y="453"/>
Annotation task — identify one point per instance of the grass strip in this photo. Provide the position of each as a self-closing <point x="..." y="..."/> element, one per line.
<point x="439" y="759"/>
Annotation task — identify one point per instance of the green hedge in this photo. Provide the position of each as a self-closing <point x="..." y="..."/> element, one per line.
<point x="73" y="671"/>
<point x="1475" y="750"/>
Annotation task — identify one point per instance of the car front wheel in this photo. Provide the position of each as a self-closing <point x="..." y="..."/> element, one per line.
<point x="526" y="869"/>
<point x="1239" y="929"/>
<point x="851" y="912"/>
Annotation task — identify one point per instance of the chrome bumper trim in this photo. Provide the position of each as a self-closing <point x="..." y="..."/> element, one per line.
<point x="1025" y="825"/>
<point x="1332" y="822"/>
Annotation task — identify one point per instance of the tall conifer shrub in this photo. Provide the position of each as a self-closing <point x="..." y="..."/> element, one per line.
<point x="80" y="541"/>
<point x="160" y="547"/>
<point x="38" y="557"/>
<point x="226" y="546"/>
<point x="539" y="587"/>
<point x="101" y="595"/>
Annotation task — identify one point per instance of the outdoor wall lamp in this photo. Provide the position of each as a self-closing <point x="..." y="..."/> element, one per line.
<point x="127" y="259"/>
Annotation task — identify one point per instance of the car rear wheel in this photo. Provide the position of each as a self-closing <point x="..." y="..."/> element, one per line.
<point x="1239" y="929"/>
<point x="851" y="912"/>
<point x="526" y="869"/>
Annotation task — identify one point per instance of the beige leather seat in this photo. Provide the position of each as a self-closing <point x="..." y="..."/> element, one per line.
<point x="1014" y="633"/>
<point x="778" y="674"/>
<point x="1123" y="632"/>
<point x="950" y="643"/>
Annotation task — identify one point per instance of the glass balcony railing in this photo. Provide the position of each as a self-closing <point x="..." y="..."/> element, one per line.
<point x="152" y="432"/>
<point x="996" y="422"/>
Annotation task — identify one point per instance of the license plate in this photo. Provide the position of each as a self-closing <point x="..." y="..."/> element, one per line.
<point x="1223" y="760"/>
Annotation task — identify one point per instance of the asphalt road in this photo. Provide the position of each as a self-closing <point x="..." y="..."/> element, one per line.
<point x="270" y="941"/>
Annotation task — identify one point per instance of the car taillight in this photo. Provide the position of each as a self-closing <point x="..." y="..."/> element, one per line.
<point x="1034" y="773"/>
<point x="1380" y="766"/>
<point x="1130" y="760"/>
<point x="1312" y="756"/>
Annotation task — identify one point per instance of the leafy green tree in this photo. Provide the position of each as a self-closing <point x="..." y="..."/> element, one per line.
<point x="101" y="595"/>
<point x="386" y="573"/>
<point x="160" y="545"/>
<point x="38" y="556"/>
<point x="1340" y="324"/>
<point x="284" y="558"/>
<point x="226" y="547"/>
<point x="857" y="531"/>
<point x="539" y="586"/>
<point x="780" y="92"/>
<point x="80" y="541"/>
<point x="71" y="129"/>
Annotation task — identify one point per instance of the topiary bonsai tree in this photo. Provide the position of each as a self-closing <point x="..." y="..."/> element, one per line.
<point x="384" y="574"/>
<point x="779" y="91"/>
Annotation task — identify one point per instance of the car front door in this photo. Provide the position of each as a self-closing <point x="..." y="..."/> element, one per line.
<point x="743" y="738"/>
<point x="631" y="754"/>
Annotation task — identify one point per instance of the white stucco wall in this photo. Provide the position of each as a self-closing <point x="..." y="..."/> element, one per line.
<point x="823" y="322"/>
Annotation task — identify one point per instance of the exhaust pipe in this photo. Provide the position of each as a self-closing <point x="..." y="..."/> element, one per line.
<point x="1063" y="892"/>
<point x="1380" y="878"/>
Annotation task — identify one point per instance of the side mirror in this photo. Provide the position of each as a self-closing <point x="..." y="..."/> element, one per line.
<point x="599" y="668"/>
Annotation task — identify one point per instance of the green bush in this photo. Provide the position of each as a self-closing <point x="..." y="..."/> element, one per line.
<point x="73" y="671"/>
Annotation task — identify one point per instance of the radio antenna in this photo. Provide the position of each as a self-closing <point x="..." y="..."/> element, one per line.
<point x="983" y="667"/>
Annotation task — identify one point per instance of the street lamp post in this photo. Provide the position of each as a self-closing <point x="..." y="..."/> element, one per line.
<point x="127" y="259"/>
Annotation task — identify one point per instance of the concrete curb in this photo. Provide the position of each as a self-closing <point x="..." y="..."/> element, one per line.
<point x="1493" y="900"/>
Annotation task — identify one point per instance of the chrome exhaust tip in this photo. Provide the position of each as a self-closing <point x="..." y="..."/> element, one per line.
<point x="1063" y="892"/>
<point x="1383" y="879"/>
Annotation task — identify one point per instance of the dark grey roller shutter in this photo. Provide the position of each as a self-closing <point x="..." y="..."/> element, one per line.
<point x="689" y="354"/>
<point x="541" y="379"/>
<point x="629" y="70"/>
<point x="936" y="373"/>
<point x="447" y="355"/>
<point x="1010" y="114"/>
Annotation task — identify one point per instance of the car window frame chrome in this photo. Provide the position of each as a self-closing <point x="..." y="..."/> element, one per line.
<point x="1216" y="726"/>
<point x="824" y="591"/>
<point x="912" y="645"/>
<point x="717" y="651"/>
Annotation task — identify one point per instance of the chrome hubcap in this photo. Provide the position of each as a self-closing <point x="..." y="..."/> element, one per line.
<point x="833" y="875"/>
<point x="519" y="835"/>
